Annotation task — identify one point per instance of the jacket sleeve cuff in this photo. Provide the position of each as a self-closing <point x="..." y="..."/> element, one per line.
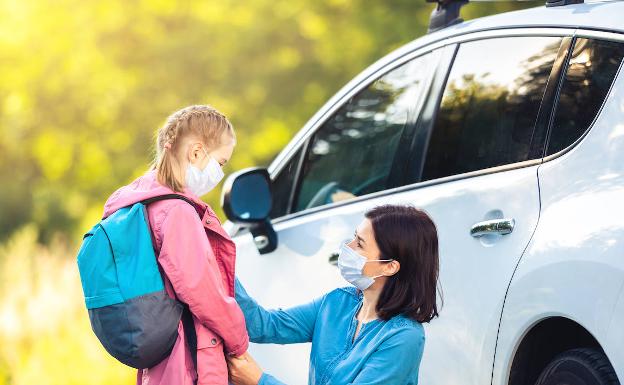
<point x="268" y="379"/>
<point x="240" y="349"/>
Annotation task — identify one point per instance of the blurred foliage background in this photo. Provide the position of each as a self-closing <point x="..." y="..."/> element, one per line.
<point x="83" y="87"/>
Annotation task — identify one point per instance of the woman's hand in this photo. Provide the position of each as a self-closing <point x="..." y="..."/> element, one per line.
<point x="244" y="370"/>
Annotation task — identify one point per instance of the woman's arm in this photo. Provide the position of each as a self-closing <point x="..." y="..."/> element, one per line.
<point x="396" y="361"/>
<point x="289" y="326"/>
<point x="268" y="379"/>
<point x="190" y="264"/>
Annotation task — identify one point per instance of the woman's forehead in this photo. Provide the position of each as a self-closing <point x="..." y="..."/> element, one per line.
<point x="365" y="229"/>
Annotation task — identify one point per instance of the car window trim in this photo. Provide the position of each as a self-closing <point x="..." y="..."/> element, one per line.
<point x="387" y="64"/>
<point x="548" y="158"/>
<point x="299" y="162"/>
<point x="429" y="112"/>
<point x="296" y="187"/>
<point x="411" y="50"/>
<point x="411" y="135"/>
<point x="554" y="100"/>
<point x="343" y="95"/>
<point x="410" y="187"/>
<point x="545" y="114"/>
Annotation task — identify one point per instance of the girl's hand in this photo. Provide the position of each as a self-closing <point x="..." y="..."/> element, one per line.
<point x="244" y="370"/>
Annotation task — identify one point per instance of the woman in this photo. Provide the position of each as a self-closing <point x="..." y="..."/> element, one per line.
<point x="371" y="333"/>
<point x="195" y="253"/>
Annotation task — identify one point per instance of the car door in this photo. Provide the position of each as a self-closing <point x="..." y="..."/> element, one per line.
<point x="320" y="194"/>
<point x="476" y="175"/>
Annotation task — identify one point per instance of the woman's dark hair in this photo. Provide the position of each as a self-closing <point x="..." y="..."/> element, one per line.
<point x="409" y="236"/>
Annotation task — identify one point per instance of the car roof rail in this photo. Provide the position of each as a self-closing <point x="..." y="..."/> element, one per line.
<point x="560" y="3"/>
<point x="445" y="14"/>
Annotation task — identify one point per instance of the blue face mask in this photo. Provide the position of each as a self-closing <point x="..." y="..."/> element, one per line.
<point x="351" y="265"/>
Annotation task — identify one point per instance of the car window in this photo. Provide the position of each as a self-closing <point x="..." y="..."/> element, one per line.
<point x="283" y="185"/>
<point x="592" y="67"/>
<point x="352" y="153"/>
<point x="490" y="104"/>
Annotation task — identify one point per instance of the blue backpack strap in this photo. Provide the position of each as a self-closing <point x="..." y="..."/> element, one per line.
<point x="187" y="317"/>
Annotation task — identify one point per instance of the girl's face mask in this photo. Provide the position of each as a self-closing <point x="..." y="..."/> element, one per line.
<point x="202" y="181"/>
<point x="351" y="265"/>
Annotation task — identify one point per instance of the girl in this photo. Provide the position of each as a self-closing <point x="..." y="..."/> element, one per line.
<point x="195" y="254"/>
<point x="371" y="333"/>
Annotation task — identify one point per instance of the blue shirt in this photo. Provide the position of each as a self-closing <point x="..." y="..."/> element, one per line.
<point x="384" y="352"/>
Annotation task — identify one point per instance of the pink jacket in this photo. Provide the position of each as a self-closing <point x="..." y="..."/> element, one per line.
<point x="197" y="259"/>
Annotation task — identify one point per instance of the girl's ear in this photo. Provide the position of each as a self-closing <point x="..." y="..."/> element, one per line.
<point x="194" y="153"/>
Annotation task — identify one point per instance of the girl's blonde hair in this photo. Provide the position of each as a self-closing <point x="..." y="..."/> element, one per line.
<point x="201" y="121"/>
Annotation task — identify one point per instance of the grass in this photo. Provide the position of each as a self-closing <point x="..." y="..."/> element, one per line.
<point x="44" y="325"/>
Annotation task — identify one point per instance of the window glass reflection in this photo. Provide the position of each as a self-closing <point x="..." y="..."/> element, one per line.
<point x="353" y="152"/>
<point x="593" y="66"/>
<point x="282" y="186"/>
<point x="490" y="104"/>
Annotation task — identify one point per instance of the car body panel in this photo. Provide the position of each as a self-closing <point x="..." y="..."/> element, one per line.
<point x="299" y="269"/>
<point x="574" y="265"/>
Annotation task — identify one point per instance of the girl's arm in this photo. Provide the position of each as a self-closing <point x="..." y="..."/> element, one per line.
<point x="396" y="361"/>
<point x="189" y="262"/>
<point x="289" y="326"/>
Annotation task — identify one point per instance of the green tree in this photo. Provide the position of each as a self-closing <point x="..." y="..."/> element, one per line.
<point x="84" y="85"/>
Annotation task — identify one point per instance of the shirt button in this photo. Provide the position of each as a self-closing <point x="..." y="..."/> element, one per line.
<point x="207" y="221"/>
<point x="213" y="341"/>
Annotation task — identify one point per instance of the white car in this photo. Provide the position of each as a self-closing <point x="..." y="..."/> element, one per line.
<point x="509" y="131"/>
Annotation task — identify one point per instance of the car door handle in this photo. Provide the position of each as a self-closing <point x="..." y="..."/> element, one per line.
<point x="333" y="259"/>
<point x="494" y="226"/>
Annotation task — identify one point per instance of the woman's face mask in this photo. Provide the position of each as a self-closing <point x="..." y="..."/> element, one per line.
<point x="351" y="265"/>
<point x="201" y="182"/>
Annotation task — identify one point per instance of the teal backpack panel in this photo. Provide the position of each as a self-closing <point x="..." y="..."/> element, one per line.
<point x="129" y="235"/>
<point x="97" y="268"/>
<point x="117" y="260"/>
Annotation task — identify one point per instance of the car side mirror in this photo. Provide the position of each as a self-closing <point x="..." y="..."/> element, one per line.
<point x="246" y="199"/>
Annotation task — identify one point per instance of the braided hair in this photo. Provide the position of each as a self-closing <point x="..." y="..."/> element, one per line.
<point x="201" y="121"/>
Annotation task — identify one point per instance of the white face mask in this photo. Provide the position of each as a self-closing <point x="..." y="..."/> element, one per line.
<point x="351" y="265"/>
<point x="202" y="181"/>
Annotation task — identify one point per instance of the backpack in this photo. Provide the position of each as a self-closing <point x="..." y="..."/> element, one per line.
<point x="129" y="309"/>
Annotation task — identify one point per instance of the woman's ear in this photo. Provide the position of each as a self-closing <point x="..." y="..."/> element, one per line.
<point x="391" y="268"/>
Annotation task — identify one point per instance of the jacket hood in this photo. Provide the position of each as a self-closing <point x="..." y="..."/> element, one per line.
<point x="144" y="187"/>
